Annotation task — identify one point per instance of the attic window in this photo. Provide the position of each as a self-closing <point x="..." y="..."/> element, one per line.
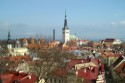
<point x="84" y="70"/>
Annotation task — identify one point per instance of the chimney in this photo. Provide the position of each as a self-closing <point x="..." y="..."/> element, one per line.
<point x="53" y="34"/>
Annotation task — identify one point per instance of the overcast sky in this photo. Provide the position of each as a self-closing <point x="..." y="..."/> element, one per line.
<point x="89" y="19"/>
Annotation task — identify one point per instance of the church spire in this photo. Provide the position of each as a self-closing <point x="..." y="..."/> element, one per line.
<point x="65" y="22"/>
<point x="9" y="36"/>
<point x="65" y="30"/>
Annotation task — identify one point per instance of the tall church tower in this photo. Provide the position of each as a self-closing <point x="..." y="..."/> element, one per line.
<point x="65" y="31"/>
<point x="9" y="43"/>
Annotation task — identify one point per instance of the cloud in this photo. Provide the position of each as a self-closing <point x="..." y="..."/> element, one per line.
<point x="118" y="24"/>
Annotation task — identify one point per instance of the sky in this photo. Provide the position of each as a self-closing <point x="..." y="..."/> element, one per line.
<point x="89" y="19"/>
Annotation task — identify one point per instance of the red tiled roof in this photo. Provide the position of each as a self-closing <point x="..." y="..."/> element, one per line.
<point x="109" y="40"/>
<point x="24" y="40"/>
<point x="88" y="74"/>
<point x="101" y="41"/>
<point x="117" y="61"/>
<point x="75" y="61"/>
<point x="17" y="58"/>
<point x="10" y="77"/>
<point x="120" y="67"/>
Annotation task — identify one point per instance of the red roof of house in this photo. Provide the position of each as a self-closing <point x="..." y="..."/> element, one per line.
<point x="117" y="61"/>
<point x="24" y="40"/>
<point x="17" y="58"/>
<point x="12" y="76"/>
<point x="90" y="73"/>
<point x="78" y="61"/>
<point x="120" y="67"/>
<point x="87" y="73"/>
<point x="109" y="40"/>
<point x="75" y="61"/>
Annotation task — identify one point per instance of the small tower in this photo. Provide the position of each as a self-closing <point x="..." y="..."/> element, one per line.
<point x="32" y="41"/>
<point x="53" y="34"/>
<point x="9" y="42"/>
<point x="25" y="42"/>
<point x="65" y="31"/>
<point x="17" y="43"/>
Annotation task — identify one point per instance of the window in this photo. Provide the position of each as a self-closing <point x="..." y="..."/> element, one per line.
<point x="54" y="80"/>
<point x="50" y="79"/>
<point x="67" y="32"/>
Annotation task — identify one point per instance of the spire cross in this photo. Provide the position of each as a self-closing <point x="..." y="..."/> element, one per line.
<point x="65" y="13"/>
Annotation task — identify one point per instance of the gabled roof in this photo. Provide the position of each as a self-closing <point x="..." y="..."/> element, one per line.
<point x="88" y="73"/>
<point x="75" y="61"/>
<point x="120" y="67"/>
<point x="118" y="61"/>
<point x="91" y="72"/>
<point x="83" y="65"/>
<point x="109" y="40"/>
<point x="24" y="40"/>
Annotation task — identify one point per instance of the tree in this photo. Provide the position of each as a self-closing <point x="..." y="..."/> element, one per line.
<point x="4" y="64"/>
<point x="72" y="43"/>
<point x="49" y="60"/>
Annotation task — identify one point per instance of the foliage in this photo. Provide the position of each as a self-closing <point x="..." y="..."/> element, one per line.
<point x="49" y="60"/>
<point x="4" y="64"/>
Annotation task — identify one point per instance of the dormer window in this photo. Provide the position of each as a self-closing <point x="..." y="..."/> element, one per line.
<point x="84" y="70"/>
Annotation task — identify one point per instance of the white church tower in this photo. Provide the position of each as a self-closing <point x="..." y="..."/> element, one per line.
<point x="9" y="43"/>
<point x="65" y="31"/>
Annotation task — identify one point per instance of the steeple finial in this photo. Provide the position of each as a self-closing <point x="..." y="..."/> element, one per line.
<point x="65" y="13"/>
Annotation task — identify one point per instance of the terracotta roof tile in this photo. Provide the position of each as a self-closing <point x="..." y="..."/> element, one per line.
<point x="12" y="76"/>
